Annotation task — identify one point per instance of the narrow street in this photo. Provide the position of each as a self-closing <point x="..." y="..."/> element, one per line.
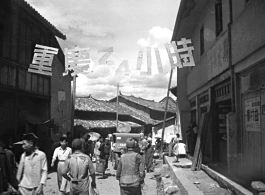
<point x="106" y="186"/>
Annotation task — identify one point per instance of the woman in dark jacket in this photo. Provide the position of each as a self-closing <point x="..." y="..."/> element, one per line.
<point x="149" y="156"/>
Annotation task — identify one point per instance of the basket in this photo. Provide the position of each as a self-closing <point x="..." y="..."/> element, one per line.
<point x="100" y="166"/>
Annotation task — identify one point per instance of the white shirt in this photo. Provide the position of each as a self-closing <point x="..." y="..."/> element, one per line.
<point x="62" y="154"/>
<point x="96" y="149"/>
<point x="179" y="148"/>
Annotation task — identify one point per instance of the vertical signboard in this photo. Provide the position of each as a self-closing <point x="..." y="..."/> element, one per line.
<point x="252" y="114"/>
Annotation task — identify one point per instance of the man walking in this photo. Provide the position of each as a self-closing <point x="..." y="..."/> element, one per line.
<point x="32" y="169"/>
<point x="97" y="146"/>
<point x="149" y="156"/>
<point x="8" y="182"/>
<point x="77" y="169"/>
<point x="105" y="150"/>
<point x="61" y="153"/>
<point x="130" y="171"/>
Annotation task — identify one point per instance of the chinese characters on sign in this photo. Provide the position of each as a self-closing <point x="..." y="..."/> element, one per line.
<point x="180" y="57"/>
<point x="103" y="60"/>
<point x="149" y="61"/>
<point x="42" y="60"/>
<point x="252" y="114"/>
<point x="76" y="60"/>
<point x="123" y="68"/>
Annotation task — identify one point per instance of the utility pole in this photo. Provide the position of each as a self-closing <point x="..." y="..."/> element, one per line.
<point x="73" y="104"/>
<point x="165" y="114"/>
<point x="117" y="114"/>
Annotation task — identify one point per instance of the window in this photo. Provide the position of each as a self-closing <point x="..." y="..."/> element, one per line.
<point x="1" y="39"/>
<point x="218" y="17"/>
<point x="202" y="40"/>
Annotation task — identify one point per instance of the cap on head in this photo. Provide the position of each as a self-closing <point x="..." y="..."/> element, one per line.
<point x="30" y="137"/>
<point x="64" y="135"/>
<point x="77" y="144"/>
<point x="130" y="143"/>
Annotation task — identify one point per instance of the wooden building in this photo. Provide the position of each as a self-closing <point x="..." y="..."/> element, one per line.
<point x="227" y="81"/>
<point x="154" y="110"/>
<point x="29" y="102"/>
<point x="90" y="111"/>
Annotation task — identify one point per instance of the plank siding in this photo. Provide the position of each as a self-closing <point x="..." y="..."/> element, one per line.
<point x="28" y="81"/>
<point x="12" y="76"/>
<point x="22" y="42"/>
<point x="34" y="83"/>
<point x="4" y="71"/>
<point x="22" y="80"/>
<point x="40" y="84"/>
<point x="7" y="37"/>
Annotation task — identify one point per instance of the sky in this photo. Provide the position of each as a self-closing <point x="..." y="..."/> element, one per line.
<point x="125" y="25"/>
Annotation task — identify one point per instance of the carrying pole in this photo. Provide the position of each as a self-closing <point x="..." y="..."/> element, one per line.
<point x="165" y="114"/>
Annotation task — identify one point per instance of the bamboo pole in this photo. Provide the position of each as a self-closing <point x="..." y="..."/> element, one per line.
<point x="73" y="105"/>
<point x="117" y="114"/>
<point x="165" y="114"/>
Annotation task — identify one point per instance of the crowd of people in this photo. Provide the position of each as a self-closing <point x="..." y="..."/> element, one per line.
<point x="74" y="164"/>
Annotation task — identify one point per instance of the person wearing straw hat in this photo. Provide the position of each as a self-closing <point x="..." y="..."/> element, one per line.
<point x="32" y="169"/>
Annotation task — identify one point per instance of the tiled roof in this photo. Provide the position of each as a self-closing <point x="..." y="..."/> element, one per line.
<point x="38" y="16"/>
<point x="172" y="104"/>
<point x="89" y="124"/>
<point x="91" y="104"/>
<point x="150" y="103"/>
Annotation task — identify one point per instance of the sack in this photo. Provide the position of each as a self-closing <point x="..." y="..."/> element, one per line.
<point x="100" y="166"/>
<point x="107" y="149"/>
<point x="3" y="172"/>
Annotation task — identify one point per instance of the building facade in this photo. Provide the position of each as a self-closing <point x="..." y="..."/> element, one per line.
<point x="227" y="81"/>
<point x="30" y="102"/>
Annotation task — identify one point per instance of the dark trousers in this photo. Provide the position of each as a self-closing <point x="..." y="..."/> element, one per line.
<point x="131" y="190"/>
<point x="106" y="157"/>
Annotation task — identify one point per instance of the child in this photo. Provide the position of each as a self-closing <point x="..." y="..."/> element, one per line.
<point x="179" y="150"/>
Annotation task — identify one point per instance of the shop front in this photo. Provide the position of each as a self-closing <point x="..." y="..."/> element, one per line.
<point x="252" y="115"/>
<point x="221" y="107"/>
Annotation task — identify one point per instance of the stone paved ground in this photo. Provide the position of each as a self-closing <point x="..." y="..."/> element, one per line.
<point x="108" y="186"/>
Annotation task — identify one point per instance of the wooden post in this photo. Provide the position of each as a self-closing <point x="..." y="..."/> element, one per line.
<point x="73" y="104"/>
<point x="117" y="113"/>
<point x="165" y="114"/>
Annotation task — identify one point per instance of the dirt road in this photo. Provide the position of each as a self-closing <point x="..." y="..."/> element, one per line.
<point x="106" y="186"/>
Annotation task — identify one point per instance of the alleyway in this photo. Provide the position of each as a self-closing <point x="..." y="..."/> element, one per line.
<point x="108" y="186"/>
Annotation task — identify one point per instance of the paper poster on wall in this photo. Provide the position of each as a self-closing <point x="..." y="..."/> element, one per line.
<point x="252" y="114"/>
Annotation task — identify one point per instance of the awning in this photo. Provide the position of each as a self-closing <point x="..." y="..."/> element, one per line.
<point x="173" y="90"/>
<point x="34" y="119"/>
